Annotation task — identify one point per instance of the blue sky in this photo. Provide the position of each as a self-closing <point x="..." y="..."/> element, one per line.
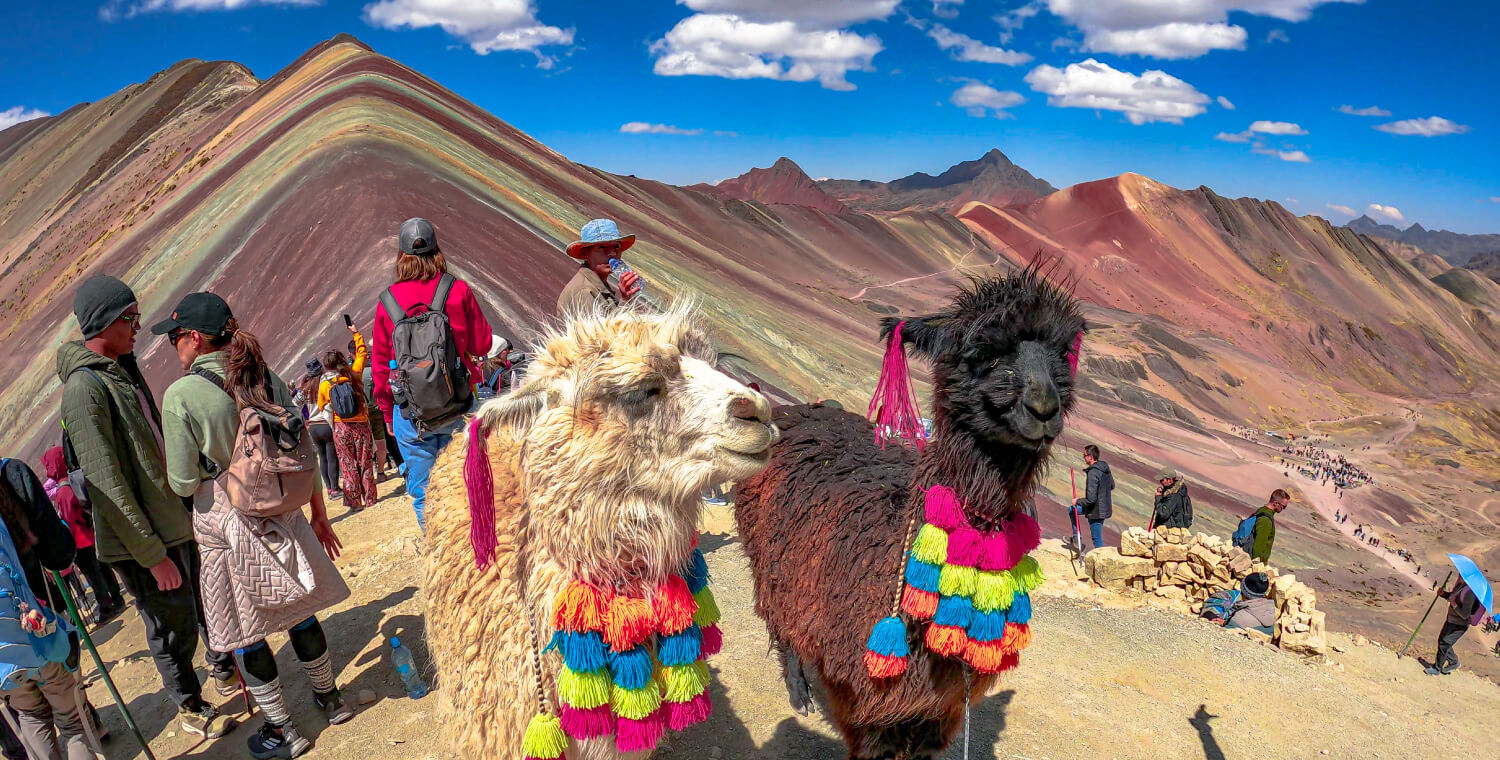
<point x="1072" y="90"/>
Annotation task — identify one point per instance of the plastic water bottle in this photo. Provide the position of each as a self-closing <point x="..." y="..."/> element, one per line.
<point x="398" y="392"/>
<point x="416" y="688"/>
<point x="617" y="269"/>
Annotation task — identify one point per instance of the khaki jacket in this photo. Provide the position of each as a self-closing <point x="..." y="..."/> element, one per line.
<point x="583" y="292"/>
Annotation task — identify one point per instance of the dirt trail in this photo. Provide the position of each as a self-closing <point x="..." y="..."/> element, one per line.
<point x="1103" y="680"/>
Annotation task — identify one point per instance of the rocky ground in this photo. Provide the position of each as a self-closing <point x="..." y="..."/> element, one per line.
<point x="1109" y="677"/>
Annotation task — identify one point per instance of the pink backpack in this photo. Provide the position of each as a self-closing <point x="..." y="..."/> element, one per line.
<point x="274" y="469"/>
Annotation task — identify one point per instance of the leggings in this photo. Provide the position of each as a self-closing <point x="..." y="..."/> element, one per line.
<point x="328" y="457"/>
<point x="258" y="664"/>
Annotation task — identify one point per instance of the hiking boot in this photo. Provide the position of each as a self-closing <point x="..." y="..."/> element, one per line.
<point x="226" y="684"/>
<point x="278" y="741"/>
<point x="332" y="704"/>
<point x="1432" y="671"/>
<point x="204" y="721"/>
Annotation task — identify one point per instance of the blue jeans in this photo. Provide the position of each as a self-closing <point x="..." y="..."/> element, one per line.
<point x="1096" y="527"/>
<point x="420" y="452"/>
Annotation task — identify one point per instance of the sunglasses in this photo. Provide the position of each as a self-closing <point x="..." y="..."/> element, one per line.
<point x="175" y="336"/>
<point x="133" y="319"/>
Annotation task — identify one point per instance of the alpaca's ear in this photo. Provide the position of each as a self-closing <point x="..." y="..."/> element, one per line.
<point x="927" y="335"/>
<point x="517" y="409"/>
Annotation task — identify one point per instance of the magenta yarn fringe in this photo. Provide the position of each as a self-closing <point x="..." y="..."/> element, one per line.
<point x="587" y="724"/>
<point x="480" y="485"/>
<point x="1075" y="353"/>
<point x="942" y="509"/>
<point x="680" y="715"/>
<point x="713" y="641"/>
<point x="639" y="735"/>
<point x="893" y="408"/>
<point x="965" y="546"/>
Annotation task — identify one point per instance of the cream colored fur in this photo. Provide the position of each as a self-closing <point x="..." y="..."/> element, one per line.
<point x="598" y="460"/>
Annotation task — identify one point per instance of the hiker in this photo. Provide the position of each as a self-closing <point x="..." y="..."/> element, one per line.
<point x="598" y="242"/>
<point x="343" y="392"/>
<point x="1253" y="609"/>
<point x="319" y="426"/>
<point x="141" y="527"/>
<point x="34" y="655"/>
<point x="109" y="603"/>
<point x="435" y="398"/>
<point x="1097" y="502"/>
<point x="1464" y="610"/>
<point x="245" y="553"/>
<point x="1174" y="508"/>
<point x="495" y="372"/>
<point x="1263" y="535"/>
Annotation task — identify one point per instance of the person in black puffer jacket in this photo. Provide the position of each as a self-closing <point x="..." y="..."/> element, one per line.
<point x="1174" y="508"/>
<point x="1097" y="502"/>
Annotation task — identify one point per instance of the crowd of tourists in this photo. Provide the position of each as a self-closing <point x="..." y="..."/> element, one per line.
<point x="1328" y="468"/>
<point x="156" y="496"/>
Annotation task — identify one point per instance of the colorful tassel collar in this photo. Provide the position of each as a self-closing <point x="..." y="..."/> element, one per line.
<point x="973" y="586"/>
<point x="632" y="666"/>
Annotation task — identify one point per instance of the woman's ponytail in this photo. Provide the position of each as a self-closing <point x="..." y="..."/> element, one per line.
<point x="249" y="380"/>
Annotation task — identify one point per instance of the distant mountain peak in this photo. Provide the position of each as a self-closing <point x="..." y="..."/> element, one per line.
<point x="784" y="183"/>
<point x="992" y="178"/>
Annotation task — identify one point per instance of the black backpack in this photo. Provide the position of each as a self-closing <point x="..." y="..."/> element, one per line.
<point x="343" y="399"/>
<point x="431" y="378"/>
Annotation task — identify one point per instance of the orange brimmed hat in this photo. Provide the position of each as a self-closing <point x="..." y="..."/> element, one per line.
<point x="599" y="231"/>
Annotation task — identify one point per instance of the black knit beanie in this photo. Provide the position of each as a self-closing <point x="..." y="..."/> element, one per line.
<point x="100" y="300"/>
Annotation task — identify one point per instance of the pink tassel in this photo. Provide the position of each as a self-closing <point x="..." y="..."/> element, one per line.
<point x="1023" y="533"/>
<point x="587" y="724"/>
<point x="997" y="553"/>
<point x="1075" y="352"/>
<point x="680" y="715"/>
<point x="481" y="488"/>
<point x="943" y="510"/>
<point x="640" y="735"/>
<point x="893" y="408"/>
<point x="713" y="641"/>
<point x="965" y="547"/>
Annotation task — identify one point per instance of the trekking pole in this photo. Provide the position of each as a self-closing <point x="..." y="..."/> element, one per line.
<point x="109" y="683"/>
<point x="1077" y="546"/>
<point x="1435" y="597"/>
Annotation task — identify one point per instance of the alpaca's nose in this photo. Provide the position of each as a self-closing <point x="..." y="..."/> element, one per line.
<point x="1041" y="400"/>
<point x="755" y="409"/>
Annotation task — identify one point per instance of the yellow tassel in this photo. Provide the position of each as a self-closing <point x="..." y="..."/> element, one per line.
<point x="683" y="682"/>
<point x="931" y="545"/>
<point x="994" y="591"/>
<point x="708" y="609"/>
<point x="584" y="691"/>
<point x="957" y="580"/>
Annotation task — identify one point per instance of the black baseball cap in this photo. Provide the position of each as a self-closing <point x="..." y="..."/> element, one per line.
<point x="418" y="237"/>
<point x="204" y="312"/>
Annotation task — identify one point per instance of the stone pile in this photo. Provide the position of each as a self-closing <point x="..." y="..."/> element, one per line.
<point x="1183" y="569"/>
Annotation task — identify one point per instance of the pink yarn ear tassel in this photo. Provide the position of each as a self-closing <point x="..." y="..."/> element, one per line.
<point x="480" y="485"/>
<point x="894" y="405"/>
<point x="1074" y="354"/>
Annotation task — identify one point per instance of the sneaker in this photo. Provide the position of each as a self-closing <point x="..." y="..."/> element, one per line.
<point x="278" y="741"/>
<point x="205" y="721"/>
<point x="332" y="704"/>
<point x="226" y="684"/>
<point x="336" y="495"/>
<point x="1432" y="671"/>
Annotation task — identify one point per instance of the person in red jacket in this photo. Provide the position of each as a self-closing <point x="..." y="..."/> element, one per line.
<point x="70" y="509"/>
<point x="419" y="266"/>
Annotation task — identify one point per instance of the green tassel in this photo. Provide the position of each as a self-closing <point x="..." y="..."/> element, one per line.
<point x="636" y="704"/>
<point x="584" y="691"/>
<point x="931" y="545"/>
<point x="994" y="591"/>
<point x="1028" y="574"/>
<point x="708" y="609"/>
<point x="957" y="580"/>
<point x="683" y="682"/>
<point x="544" y="739"/>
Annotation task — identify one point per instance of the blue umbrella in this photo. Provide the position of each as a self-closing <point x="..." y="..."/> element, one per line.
<point x="1475" y="580"/>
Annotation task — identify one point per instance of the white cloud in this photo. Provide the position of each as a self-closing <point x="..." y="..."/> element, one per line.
<point x="1234" y="137"/>
<point x="118" y="9"/>
<point x="980" y="98"/>
<point x="946" y="8"/>
<point x="1371" y="111"/>
<point x="1277" y="128"/>
<point x="1151" y="96"/>
<point x="1225" y="104"/>
<point x="1345" y="210"/>
<point x="486" y="25"/>
<point x="966" y="48"/>
<point x="1175" y="40"/>
<point x="789" y="40"/>
<point x="1171" y="28"/>
<point x="1432" y="126"/>
<point x="647" y="128"/>
<point x="1012" y="20"/>
<point x="1277" y="35"/>
<point x="17" y="114"/>
<point x="1385" y="212"/>
<point x="1295" y="156"/>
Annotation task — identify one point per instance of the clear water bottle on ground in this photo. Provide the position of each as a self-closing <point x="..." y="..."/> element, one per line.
<point x="617" y="269"/>
<point x="416" y="688"/>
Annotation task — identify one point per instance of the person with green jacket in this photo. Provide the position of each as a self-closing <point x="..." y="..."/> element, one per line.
<point x="1263" y="536"/>
<point x="141" y="528"/>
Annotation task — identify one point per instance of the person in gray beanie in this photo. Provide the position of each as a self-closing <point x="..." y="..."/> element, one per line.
<point x="142" y="530"/>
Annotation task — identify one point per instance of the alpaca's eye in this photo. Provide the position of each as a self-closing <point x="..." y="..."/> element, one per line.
<point x="643" y="394"/>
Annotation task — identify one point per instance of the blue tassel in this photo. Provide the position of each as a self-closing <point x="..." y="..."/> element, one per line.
<point x="888" y="638"/>
<point x="954" y="611"/>
<point x="987" y="626"/>
<point x="683" y="648"/>
<point x="922" y="575"/>
<point x="696" y="572"/>
<point x="632" y="669"/>
<point x="582" y="652"/>
<point x="556" y="643"/>
<point x="1020" y="609"/>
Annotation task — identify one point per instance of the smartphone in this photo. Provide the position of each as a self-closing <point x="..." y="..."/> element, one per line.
<point x="347" y="321"/>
